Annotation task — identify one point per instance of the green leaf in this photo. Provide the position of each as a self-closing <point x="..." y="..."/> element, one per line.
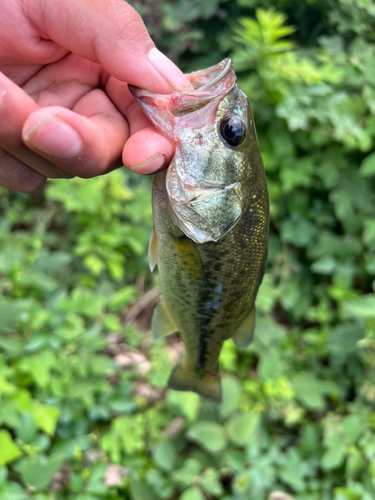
<point x="334" y="456"/>
<point x="12" y="491"/>
<point x="209" y="435"/>
<point x="293" y="471"/>
<point x="355" y="464"/>
<point x="353" y="426"/>
<point x="210" y="482"/>
<point x="84" y="301"/>
<point x="310" y="390"/>
<point x="95" y="484"/>
<point x="231" y="394"/>
<point x="45" y="417"/>
<point x="111" y="444"/>
<point x="360" y="308"/>
<point x="3" y="474"/>
<point x="37" y="471"/>
<point x="9" y="450"/>
<point x="6" y="387"/>
<point x="186" y="403"/>
<point x="298" y="232"/>
<point x="76" y="483"/>
<point x="130" y="431"/>
<point x="160" y="483"/>
<point x="267" y="295"/>
<point x="123" y="405"/>
<point x="94" y="264"/>
<point x="39" y="366"/>
<point x="242" y="426"/>
<point x="271" y="365"/>
<point x="165" y="455"/>
<point x="367" y="168"/>
<point x="11" y="311"/>
<point x="343" y="338"/>
<point x="140" y="491"/>
<point x="9" y="413"/>
<point x="187" y="475"/>
<point x="26" y="429"/>
<point x="122" y="298"/>
<point x="81" y="195"/>
<point x="325" y="265"/>
<point x="192" y="493"/>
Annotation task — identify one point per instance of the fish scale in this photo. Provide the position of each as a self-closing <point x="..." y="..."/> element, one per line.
<point x="210" y="243"/>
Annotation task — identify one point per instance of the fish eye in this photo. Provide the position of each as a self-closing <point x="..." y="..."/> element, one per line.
<point x="233" y="130"/>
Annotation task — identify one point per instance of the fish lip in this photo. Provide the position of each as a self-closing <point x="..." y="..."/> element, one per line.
<point x="210" y="86"/>
<point x="227" y="67"/>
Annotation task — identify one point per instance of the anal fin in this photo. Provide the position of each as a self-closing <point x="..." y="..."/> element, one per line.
<point x="207" y="387"/>
<point x="162" y="322"/>
<point x="153" y="250"/>
<point x="243" y="336"/>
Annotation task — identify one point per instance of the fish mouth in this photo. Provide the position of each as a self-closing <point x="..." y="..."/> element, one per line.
<point x="209" y="84"/>
<point x="206" y="80"/>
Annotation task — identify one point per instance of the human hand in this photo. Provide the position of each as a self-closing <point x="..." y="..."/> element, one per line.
<point x="65" y="109"/>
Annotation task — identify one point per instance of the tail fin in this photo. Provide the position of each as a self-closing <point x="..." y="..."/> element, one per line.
<point x="207" y="387"/>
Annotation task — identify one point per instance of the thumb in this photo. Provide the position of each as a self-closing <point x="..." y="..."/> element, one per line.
<point x="111" y="33"/>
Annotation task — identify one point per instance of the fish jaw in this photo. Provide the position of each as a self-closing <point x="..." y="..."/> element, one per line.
<point x="164" y="110"/>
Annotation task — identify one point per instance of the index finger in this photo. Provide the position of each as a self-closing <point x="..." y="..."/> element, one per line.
<point x="109" y="32"/>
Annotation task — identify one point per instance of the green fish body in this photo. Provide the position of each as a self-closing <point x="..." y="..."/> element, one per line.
<point x="210" y="233"/>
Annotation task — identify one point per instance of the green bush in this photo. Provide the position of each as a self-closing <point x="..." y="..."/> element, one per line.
<point x="84" y="413"/>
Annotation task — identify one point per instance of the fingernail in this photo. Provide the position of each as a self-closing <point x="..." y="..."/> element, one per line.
<point x="168" y="70"/>
<point x="54" y="137"/>
<point x="150" y="166"/>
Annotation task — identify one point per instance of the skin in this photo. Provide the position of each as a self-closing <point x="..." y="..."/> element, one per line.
<point x="65" y="107"/>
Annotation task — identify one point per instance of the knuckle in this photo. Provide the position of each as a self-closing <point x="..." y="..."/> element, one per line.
<point x="31" y="184"/>
<point x="134" y="32"/>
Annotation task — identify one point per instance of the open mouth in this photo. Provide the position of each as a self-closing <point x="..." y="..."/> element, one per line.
<point x="206" y="80"/>
<point x="209" y="84"/>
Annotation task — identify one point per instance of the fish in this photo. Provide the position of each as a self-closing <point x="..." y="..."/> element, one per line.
<point x="210" y="214"/>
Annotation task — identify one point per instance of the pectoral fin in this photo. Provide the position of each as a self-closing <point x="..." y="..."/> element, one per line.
<point x="243" y="336"/>
<point x="153" y="250"/>
<point x="162" y="322"/>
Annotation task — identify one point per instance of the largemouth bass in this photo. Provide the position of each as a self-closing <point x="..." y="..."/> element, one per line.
<point x="210" y="210"/>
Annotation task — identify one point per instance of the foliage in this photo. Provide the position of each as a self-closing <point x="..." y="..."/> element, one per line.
<point x="83" y="410"/>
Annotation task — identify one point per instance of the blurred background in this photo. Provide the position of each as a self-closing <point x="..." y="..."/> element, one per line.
<point x="84" y="414"/>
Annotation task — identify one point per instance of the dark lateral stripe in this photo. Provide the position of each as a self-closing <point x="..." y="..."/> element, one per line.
<point x="205" y="310"/>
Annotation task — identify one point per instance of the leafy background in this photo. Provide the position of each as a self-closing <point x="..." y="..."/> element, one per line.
<point x="84" y="413"/>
